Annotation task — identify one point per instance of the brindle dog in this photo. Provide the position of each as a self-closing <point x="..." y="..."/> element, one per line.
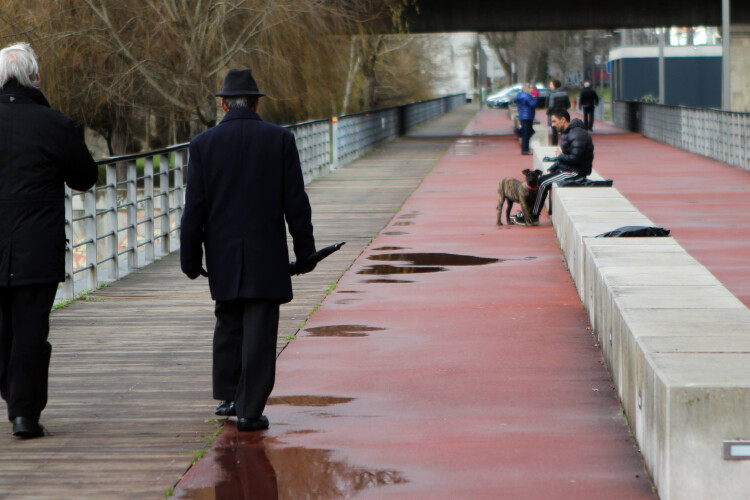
<point x="511" y="189"/>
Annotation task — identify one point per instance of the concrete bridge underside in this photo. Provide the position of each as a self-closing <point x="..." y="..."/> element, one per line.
<point x="435" y="16"/>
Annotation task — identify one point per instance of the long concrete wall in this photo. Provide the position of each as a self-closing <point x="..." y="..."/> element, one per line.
<point x="676" y="341"/>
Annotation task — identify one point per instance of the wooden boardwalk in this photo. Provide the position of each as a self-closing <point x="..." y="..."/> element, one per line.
<point x="130" y="381"/>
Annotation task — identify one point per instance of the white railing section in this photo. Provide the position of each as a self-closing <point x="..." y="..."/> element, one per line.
<point x="717" y="134"/>
<point x="132" y="217"/>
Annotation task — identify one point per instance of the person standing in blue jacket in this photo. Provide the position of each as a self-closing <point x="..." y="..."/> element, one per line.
<point x="526" y="102"/>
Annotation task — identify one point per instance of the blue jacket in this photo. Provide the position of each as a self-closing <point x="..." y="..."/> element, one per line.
<point x="244" y="179"/>
<point x="526" y="106"/>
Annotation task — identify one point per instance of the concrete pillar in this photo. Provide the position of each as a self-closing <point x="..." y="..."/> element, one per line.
<point x="740" y="67"/>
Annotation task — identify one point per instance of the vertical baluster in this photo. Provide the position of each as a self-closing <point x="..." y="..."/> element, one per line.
<point x="164" y="194"/>
<point x="68" y="287"/>
<point x="148" y="207"/>
<point x="132" y="214"/>
<point x="89" y="201"/>
<point x="112" y="222"/>
<point x="180" y="165"/>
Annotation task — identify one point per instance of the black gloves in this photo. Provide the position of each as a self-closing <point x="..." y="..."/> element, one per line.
<point x="549" y="158"/>
<point x="304" y="266"/>
<point x="194" y="273"/>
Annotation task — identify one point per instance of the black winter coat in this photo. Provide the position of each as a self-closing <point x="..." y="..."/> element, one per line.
<point x="40" y="152"/>
<point x="588" y="98"/>
<point x="577" y="149"/>
<point x="558" y="99"/>
<point x="244" y="179"/>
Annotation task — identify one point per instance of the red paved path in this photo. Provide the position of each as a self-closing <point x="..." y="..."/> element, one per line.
<point x="481" y="382"/>
<point x="704" y="202"/>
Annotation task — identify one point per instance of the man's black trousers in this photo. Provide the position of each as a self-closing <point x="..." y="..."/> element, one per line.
<point x="244" y="364"/>
<point x="24" y="350"/>
<point x="588" y="117"/>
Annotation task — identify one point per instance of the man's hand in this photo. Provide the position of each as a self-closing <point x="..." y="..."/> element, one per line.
<point x="304" y="266"/>
<point x="194" y="273"/>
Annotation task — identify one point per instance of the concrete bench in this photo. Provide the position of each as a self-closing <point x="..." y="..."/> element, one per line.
<point x="676" y="341"/>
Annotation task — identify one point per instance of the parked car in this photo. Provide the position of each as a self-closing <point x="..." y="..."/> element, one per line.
<point x="507" y="96"/>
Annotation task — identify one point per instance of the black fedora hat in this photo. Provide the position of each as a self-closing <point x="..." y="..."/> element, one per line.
<point x="240" y="82"/>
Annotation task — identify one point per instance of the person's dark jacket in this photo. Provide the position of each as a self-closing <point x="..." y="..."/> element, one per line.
<point x="526" y="106"/>
<point x="244" y="179"/>
<point x="40" y="152"/>
<point x="577" y="150"/>
<point x="588" y="98"/>
<point x="558" y="99"/>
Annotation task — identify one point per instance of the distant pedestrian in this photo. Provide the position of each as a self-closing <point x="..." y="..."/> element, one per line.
<point x="41" y="151"/>
<point x="244" y="181"/>
<point x="587" y="101"/>
<point x="558" y="99"/>
<point x="526" y="102"/>
<point x="575" y="160"/>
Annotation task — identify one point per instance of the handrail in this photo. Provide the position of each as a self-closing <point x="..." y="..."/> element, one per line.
<point x="130" y="221"/>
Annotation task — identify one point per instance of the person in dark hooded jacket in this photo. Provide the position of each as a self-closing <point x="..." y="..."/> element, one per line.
<point x="40" y="152"/>
<point x="574" y="161"/>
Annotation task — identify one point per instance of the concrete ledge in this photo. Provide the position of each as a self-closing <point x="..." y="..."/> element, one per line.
<point x="676" y="341"/>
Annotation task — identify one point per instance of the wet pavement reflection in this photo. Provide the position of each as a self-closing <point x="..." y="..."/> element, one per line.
<point x="435" y="259"/>
<point x="395" y="233"/>
<point x="422" y="263"/>
<point x="389" y="248"/>
<point x="383" y="280"/>
<point x="307" y="400"/>
<point x="251" y="469"/>
<point x="388" y="269"/>
<point x="342" y="330"/>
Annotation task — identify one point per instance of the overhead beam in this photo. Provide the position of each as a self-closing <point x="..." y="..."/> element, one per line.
<point x="435" y="16"/>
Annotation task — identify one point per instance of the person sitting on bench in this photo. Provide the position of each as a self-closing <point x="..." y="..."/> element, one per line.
<point x="576" y="155"/>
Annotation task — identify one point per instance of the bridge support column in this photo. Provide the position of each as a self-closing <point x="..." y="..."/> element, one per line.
<point x="739" y="56"/>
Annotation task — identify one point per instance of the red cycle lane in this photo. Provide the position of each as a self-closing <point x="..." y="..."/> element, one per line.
<point x="453" y="360"/>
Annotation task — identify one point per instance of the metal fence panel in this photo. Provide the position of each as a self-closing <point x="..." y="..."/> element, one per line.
<point x="721" y="135"/>
<point x="134" y="218"/>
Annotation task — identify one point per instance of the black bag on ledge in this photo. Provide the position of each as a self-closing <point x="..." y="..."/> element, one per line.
<point x="635" y="231"/>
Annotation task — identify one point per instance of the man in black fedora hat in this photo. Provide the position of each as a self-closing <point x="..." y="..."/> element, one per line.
<point x="244" y="180"/>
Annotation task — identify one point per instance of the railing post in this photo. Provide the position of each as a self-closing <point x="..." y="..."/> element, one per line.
<point x="132" y="214"/>
<point x="164" y="193"/>
<point x="180" y="165"/>
<point x="334" y="143"/>
<point x="148" y="206"/>
<point x="92" y="258"/>
<point x="68" y="286"/>
<point x="112" y="222"/>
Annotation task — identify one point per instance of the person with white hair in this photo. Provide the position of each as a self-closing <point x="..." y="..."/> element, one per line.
<point x="40" y="152"/>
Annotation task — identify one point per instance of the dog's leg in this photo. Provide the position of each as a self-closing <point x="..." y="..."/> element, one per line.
<point x="507" y="212"/>
<point x="527" y="213"/>
<point x="500" y="207"/>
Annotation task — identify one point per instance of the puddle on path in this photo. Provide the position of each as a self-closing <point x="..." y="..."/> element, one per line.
<point x="249" y="469"/>
<point x="307" y="400"/>
<point x="410" y="215"/>
<point x="395" y="233"/>
<point x="349" y="291"/>
<point x="435" y="259"/>
<point x="387" y="281"/>
<point x="342" y="330"/>
<point x="389" y="248"/>
<point x="405" y="223"/>
<point x="422" y="263"/>
<point x="381" y="269"/>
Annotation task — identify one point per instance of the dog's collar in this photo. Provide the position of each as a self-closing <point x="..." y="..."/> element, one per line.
<point x="531" y="188"/>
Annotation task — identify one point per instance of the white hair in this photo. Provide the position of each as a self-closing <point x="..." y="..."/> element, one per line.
<point x="18" y="62"/>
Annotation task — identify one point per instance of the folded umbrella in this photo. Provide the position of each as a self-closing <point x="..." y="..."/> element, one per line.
<point x="316" y="257"/>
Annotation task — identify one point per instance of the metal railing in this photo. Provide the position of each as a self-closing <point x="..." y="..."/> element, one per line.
<point x="132" y="218"/>
<point x="717" y="134"/>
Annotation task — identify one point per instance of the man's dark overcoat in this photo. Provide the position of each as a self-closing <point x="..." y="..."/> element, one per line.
<point x="244" y="179"/>
<point x="40" y="151"/>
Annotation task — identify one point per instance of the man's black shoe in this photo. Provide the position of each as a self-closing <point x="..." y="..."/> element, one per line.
<point x="225" y="409"/>
<point x="252" y="424"/>
<point x="27" y="428"/>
